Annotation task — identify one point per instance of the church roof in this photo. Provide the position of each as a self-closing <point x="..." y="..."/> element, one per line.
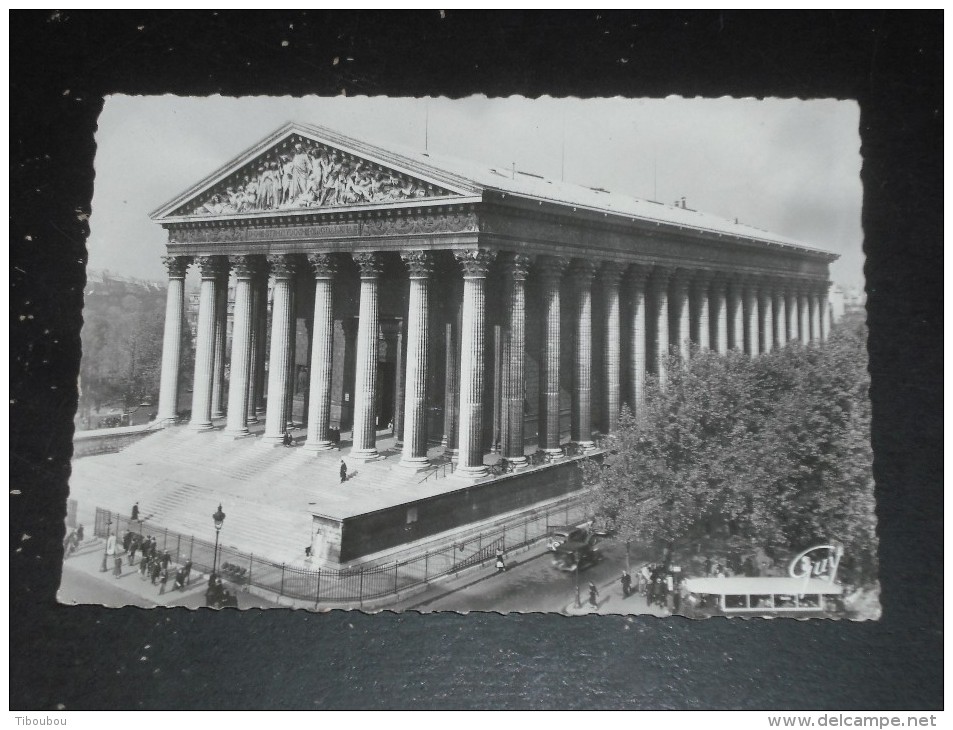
<point x="412" y="176"/>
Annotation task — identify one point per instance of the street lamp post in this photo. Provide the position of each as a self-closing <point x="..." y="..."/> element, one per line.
<point x="218" y="518"/>
<point x="103" y="568"/>
<point x="576" y="572"/>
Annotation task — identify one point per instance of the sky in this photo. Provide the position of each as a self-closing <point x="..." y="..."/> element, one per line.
<point x="788" y="166"/>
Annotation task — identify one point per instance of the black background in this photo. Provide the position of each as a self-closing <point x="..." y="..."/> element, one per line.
<point x="90" y="658"/>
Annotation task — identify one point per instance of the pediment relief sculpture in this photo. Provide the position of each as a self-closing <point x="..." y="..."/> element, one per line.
<point x="300" y="173"/>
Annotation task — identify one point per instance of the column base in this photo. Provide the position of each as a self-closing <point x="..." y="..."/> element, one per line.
<point x="586" y="446"/>
<point x="166" y="421"/>
<point x="518" y="463"/>
<point x="237" y="433"/>
<point x="273" y="440"/>
<point x="364" y="455"/>
<point x="471" y="472"/>
<point x="553" y="454"/>
<point x="319" y="446"/>
<point x="204" y="426"/>
<point x="414" y="464"/>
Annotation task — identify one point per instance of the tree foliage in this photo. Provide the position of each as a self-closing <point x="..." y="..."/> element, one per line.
<point x="773" y="451"/>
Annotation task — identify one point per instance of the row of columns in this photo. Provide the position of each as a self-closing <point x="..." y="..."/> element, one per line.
<point x="668" y="310"/>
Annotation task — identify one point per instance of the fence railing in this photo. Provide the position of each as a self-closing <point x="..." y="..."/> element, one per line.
<point x="355" y="584"/>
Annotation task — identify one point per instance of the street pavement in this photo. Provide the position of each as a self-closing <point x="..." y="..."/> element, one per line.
<point x="532" y="584"/>
<point x="82" y="582"/>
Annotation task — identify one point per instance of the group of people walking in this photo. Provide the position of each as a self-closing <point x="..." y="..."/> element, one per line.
<point x="154" y="564"/>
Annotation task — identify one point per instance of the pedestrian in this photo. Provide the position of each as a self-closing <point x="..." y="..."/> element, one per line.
<point x="135" y="512"/>
<point x="593" y="595"/>
<point x="126" y="541"/>
<point x="343" y="471"/>
<point x="143" y="566"/>
<point x="80" y="534"/>
<point x="626" y="581"/>
<point x="117" y="564"/>
<point x="286" y="439"/>
<point x="500" y="563"/>
<point x="179" y="580"/>
<point x="163" y="579"/>
<point x="155" y="571"/>
<point x="153" y="548"/>
<point x="166" y="559"/>
<point x="188" y="571"/>
<point x="132" y="552"/>
<point x="644" y="579"/>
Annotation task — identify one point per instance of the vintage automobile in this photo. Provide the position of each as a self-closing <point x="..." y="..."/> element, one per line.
<point x="576" y="555"/>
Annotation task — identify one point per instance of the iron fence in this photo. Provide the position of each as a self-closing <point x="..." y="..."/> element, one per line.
<point x="355" y="584"/>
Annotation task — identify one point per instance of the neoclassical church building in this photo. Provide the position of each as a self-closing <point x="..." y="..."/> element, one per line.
<point x="493" y="312"/>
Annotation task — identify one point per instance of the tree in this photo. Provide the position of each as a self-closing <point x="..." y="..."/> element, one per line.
<point x="773" y="451"/>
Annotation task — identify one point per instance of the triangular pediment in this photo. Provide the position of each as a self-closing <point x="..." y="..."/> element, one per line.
<point x="303" y="168"/>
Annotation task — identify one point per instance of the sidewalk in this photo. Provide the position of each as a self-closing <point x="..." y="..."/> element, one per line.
<point x="87" y="560"/>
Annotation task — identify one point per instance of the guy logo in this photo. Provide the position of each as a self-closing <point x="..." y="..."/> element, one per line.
<point x="820" y="561"/>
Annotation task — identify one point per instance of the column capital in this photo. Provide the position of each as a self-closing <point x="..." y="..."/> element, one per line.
<point x="660" y="276"/>
<point x="610" y="273"/>
<point x="212" y="267"/>
<point x="370" y="264"/>
<point x="283" y="266"/>
<point x="246" y="266"/>
<point x="419" y="264"/>
<point x="176" y="265"/>
<point x="475" y="262"/>
<point x="324" y="265"/>
<point x="551" y="267"/>
<point x="582" y="271"/>
<point x="517" y="265"/>
<point x="638" y="273"/>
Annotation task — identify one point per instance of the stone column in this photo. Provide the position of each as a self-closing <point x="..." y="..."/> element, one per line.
<point x="780" y="315"/>
<point x="211" y="268"/>
<point x="172" y="338"/>
<point x="365" y="380"/>
<point x="803" y="315"/>
<point x="791" y="309"/>
<point x="609" y="276"/>
<point x="276" y="421"/>
<point x="658" y="291"/>
<point x="815" y="305"/>
<point x="261" y="344"/>
<point x="679" y="335"/>
<point x="221" y="331"/>
<point x="292" y="353"/>
<point x="638" y="336"/>
<point x="751" y="317"/>
<point x="475" y="264"/>
<point x="766" y="317"/>
<point x="420" y="267"/>
<point x="700" y="309"/>
<point x="451" y="368"/>
<point x="719" y="313"/>
<point x="581" y="415"/>
<point x="517" y="269"/>
<point x="736" y="317"/>
<point x="399" y="375"/>
<point x="825" y="311"/>
<point x="251" y="416"/>
<point x="239" y="377"/>
<point x="324" y="266"/>
<point x="550" y="273"/>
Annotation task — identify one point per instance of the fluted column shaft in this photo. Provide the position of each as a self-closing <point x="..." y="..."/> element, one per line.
<point x="680" y="334"/>
<point x="638" y="337"/>
<point x="172" y="339"/>
<point x="365" y="380"/>
<point x="261" y="343"/>
<point x="780" y="318"/>
<point x="221" y="327"/>
<point x="322" y="352"/>
<point x="256" y="361"/>
<point x="736" y="316"/>
<point x="791" y="326"/>
<point x="475" y="264"/>
<point x="513" y="447"/>
<point x="815" y="305"/>
<point x="700" y="310"/>
<point x="581" y="414"/>
<point x="420" y="267"/>
<point x="211" y="267"/>
<point x="766" y="315"/>
<point x="276" y="421"/>
<point x="719" y="315"/>
<point x="292" y="352"/>
<point x="551" y="269"/>
<point x="240" y="372"/>
<point x="804" y="317"/>
<point x="751" y="318"/>
<point x="612" y="355"/>
<point x="825" y="312"/>
<point x="658" y="287"/>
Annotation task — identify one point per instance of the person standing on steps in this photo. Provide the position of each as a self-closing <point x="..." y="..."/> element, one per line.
<point x="135" y="512"/>
<point x="626" y="581"/>
<point x="343" y="471"/>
